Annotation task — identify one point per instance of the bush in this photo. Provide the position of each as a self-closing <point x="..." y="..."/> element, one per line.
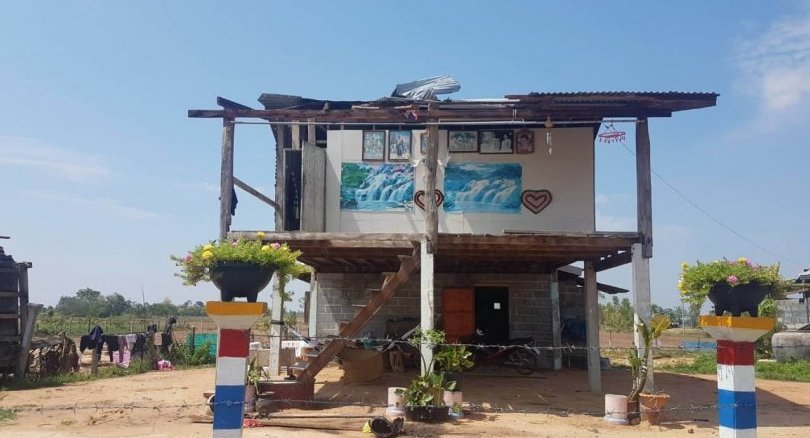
<point x="181" y="354"/>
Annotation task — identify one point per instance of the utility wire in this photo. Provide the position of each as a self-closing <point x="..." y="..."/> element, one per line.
<point x="710" y="216"/>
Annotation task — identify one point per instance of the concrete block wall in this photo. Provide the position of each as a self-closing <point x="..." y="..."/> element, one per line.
<point x="341" y="296"/>
<point x="793" y="314"/>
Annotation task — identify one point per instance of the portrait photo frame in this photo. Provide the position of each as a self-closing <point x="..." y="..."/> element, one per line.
<point x="399" y="145"/>
<point x="424" y="143"/>
<point x="374" y="145"/>
<point x="462" y="141"/>
<point x="524" y="141"/>
<point x="496" y="141"/>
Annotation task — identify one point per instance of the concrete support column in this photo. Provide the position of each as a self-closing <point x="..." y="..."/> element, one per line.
<point x="736" y="396"/>
<point x="642" y="305"/>
<point x="556" y="324"/>
<point x="426" y="301"/>
<point x="312" y="324"/>
<point x="276" y="315"/>
<point x="234" y="320"/>
<point x="592" y="327"/>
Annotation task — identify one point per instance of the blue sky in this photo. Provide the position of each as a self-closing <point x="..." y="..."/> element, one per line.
<point x="102" y="176"/>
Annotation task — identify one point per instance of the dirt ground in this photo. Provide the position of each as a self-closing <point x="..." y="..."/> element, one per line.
<point x="560" y="403"/>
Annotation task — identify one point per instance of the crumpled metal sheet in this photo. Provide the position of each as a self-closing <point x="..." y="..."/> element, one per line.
<point x="427" y="89"/>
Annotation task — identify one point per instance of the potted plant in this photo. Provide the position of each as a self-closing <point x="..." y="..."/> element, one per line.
<point x="649" y="402"/>
<point x="424" y="397"/>
<point x="735" y="286"/>
<point x="453" y="360"/>
<point x="240" y="268"/>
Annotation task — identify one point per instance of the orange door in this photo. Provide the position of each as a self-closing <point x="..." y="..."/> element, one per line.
<point x="458" y="306"/>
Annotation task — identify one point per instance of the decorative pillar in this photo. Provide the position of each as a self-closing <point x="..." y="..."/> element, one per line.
<point x="234" y="320"/>
<point x="736" y="397"/>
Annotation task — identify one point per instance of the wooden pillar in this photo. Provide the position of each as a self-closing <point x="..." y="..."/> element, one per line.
<point x="31" y="311"/>
<point x="642" y="305"/>
<point x="556" y="325"/>
<point x="592" y="326"/>
<point x="226" y="178"/>
<point x="276" y="315"/>
<point x="22" y="288"/>
<point x="644" y="188"/>
<point x="281" y="144"/>
<point x="426" y="301"/>
<point x="431" y="209"/>
<point x="312" y="323"/>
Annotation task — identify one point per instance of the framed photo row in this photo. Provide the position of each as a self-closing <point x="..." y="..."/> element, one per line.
<point x="399" y="144"/>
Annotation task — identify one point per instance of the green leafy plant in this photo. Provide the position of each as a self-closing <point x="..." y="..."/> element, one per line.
<point x="428" y="388"/>
<point x="697" y="280"/>
<point x="196" y="265"/>
<point x="639" y="364"/>
<point x="254" y="374"/>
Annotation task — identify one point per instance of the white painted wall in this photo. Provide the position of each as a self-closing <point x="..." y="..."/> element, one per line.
<point x="568" y="173"/>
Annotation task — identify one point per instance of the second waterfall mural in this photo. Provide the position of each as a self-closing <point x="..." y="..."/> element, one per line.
<point x="376" y="187"/>
<point x="483" y="187"/>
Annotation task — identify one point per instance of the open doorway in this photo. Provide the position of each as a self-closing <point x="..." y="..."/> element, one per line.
<point x="492" y="313"/>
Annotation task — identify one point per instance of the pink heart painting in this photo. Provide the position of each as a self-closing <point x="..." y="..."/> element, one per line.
<point x="419" y="198"/>
<point x="536" y="200"/>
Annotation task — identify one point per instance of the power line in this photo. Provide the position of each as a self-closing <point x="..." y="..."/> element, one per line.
<point x="710" y="216"/>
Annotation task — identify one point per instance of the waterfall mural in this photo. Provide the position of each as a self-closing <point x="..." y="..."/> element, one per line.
<point x="482" y="187"/>
<point x="376" y="187"/>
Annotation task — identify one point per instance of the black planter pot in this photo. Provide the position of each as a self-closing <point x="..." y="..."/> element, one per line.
<point x="427" y="414"/>
<point x="738" y="299"/>
<point x="240" y="280"/>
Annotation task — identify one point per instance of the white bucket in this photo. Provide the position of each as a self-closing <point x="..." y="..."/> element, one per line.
<point x="453" y="400"/>
<point x="396" y="402"/>
<point x="616" y="409"/>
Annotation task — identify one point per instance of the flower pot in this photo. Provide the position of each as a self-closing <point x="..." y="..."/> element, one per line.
<point x="250" y="399"/>
<point x="265" y="403"/>
<point x="651" y="405"/>
<point x="738" y="299"/>
<point x="427" y="414"/>
<point x="240" y="279"/>
<point x="615" y="409"/>
<point x="396" y="402"/>
<point x="453" y="400"/>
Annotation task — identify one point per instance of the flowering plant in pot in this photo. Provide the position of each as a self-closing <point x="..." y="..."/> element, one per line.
<point x="241" y="267"/>
<point x="736" y="286"/>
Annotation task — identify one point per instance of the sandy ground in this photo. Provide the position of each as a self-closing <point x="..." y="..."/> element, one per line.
<point x="558" y="400"/>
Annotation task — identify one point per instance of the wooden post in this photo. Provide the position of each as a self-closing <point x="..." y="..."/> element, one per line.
<point x="642" y="305"/>
<point x="556" y="325"/>
<point x="192" y="344"/>
<point x="31" y="311"/>
<point x="295" y="128"/>
<point x="276" y="315"/>
<point x="431" y="209"/>
<point x="426" y="303"/>
<point x="226" y="178"/>
<point x="592" y="326"/>
<point x="281" y="144"/>
<point x="644" y="188"/>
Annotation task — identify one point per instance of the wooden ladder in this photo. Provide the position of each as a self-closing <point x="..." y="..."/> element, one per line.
<point x="407" y="266"/>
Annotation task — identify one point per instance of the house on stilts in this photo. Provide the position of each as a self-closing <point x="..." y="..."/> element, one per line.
<point x="512" y="207"/>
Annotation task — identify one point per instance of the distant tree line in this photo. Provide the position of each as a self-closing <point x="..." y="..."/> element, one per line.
<point x="92" y="303"/>
<point x="617" y="315"/>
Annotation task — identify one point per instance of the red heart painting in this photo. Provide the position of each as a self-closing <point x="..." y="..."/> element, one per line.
<point x="535" y="200"/>
<point x="419" y="198"/>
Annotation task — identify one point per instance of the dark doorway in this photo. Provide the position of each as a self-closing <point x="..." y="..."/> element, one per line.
<point x="492" y="313"/>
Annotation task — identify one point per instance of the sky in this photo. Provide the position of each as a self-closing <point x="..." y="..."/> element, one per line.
<point x="103" y="177"/>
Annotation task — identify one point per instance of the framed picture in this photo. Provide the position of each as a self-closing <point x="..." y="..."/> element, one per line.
<point x="399" y="146"/>
<point x="496" y="141"/>
<point x="424" y="143"/>
<point x="462" y="141"/>
<point x="373" y="145"/>
<point x="524" y="141"/>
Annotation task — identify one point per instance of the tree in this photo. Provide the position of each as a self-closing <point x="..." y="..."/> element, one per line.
<point x="616" y="316"/>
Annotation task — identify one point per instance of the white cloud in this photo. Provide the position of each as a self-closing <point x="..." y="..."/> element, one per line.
<point x="53" y="161"/>
<point x="103" y="204"/>
<point x="775" y="67"/>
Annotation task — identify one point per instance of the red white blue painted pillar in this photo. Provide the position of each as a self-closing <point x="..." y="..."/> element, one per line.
<point x="234" y="320"/>
<point x="736" y="396"/>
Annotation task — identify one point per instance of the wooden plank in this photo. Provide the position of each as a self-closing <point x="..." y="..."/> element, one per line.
<point x="281" y="144"/>
<point x="229" y="104"/>
<point x="320" y="237"/>
<point x="31" y="311"/>
<point x="592" y="327"/>
<point x="313" y="187"/>
<point x="612" y="261"/>
<point x="296" y="135"/>
<point x="22" y="287"/>
<point x="391" y="285"/>
<point x="261" y="196"/>
<point x="458" y="309"/>
<point x="226" y="178"/>
<point x="431" y="209"/>
<point x="9" y="294"/>
<point x="644" y="188"/>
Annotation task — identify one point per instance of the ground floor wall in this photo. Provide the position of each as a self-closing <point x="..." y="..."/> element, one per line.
<point x="341" y="296"/>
